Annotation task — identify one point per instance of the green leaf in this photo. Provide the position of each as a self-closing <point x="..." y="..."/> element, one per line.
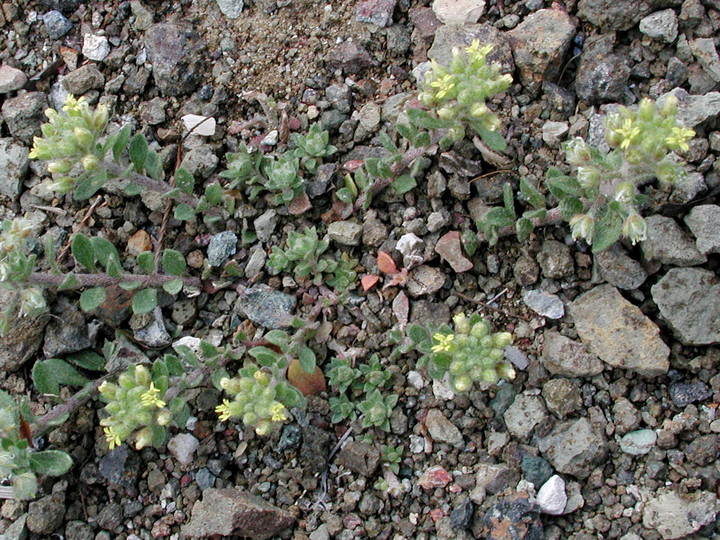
<point x="83" y="251"/>
<point x="138" y="150"/>
<point x="153" y="166"/>
<point x="345" y="195"/>
<point x="307" y="359"/>
<point x="185" y="181"/>
<point x="561" y="187"/>
<point x="181" y="412"/>
<point x="208" y="350"/>
<point x="418" y="333"/>
<point x="217" y="376"/>
<point x="422" y="140"/>
<point x="384" y="170"/>
<point x="499" y="217"/>
<point x="531" y="194"/>
<point x="71" y="282"/>
<point x="387" y="143"/>
<point x="524" y="227"/>
<point x="493" y="139"/>
<point x="114" y="268"/>
<point x="373" y="166"/>
<point x="89" y="186"/>
<point x="403" y="184"/>
<point x="570" y="206"/>
<point x="423" y="119"/>
<point x="277" y="338"/>
<point x="540" y="213"/>
<point x="264" y="356"/>
<point x="123" y="136"/>
<point x="89" y="360"/>
<point x="131" y="189"/>
<point x="173" y="287"/>
<point x="173" y="262"/>
<point x="184" y="212"/>
<point x="607" y="231"/>
<point x="50" y="462"/>
<point x="508" y="199"/>
<point x="144" y="301"/>
<point x="214" y="193"/>
<point x="146" y="262"/>
<point x="92" y="298"/>
<point x="104" y="250"/>
<point x="407" y="131"/>
<point x="49" y="374"/>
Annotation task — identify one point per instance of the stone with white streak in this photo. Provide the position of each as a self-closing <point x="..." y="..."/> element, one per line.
<point x="552" y="497"/>
<point x="199" y="125"/>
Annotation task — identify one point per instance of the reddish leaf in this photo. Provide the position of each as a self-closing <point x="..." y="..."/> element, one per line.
<point x="309" y="384"/>
<point x="368" y="281"/>
<point x="386" y="264"/>
<point x="353" y="165"/>
<point x="26" y="432"/>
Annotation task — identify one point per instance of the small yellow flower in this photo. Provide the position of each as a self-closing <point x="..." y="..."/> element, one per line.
<point x="278" y="412"/>
<point x="628" y="132"/>
<point x="680" y="137"/>
<point x="475" y="50"/>
<point x="111" y="436"/>
<point x="223" y="410"/>
<point x="443" y="342"/>
<point x="151" y="397"/>
<point x="444" y="85"/>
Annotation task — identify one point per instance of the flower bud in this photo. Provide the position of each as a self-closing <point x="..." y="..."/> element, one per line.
<point x="577" y="152"/>
<point x="250" y="418"/>
<point x="90" y="162"/>
<point x="582" y="226"/>
<point x="625" y="193"/>
<point x="588" y="177"/>
<point x="32" y="301"/>
<point x="669" y="106"/>
<point x="478" y="110"/>
<point x="263" y="428"/>
<point x="143" y="438"/>
<point x="480" y="329"/>
<point x="505" y="371"/>
<point x="447" y="113"/>
<point x="64" y="184"/>
<point x="462" y="323"/>
<point x="100" y="117"/>
<point x="142" y="376"/>
<point x="83" y="136"/>
<point x="646" y="110"/>
<point x="634" y="228"/>
<point x="63" y="166"/>
<point x="164" y="417"/>
<point x="261" y="377"/>
<point x="462" y="384"/>
<point x="502" y="339"/>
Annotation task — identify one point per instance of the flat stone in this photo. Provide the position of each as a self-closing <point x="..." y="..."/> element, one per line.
<point x="359" y="457"/>
<point x="552" y="497"/>
<point x="23" y="337"/>
<point x="450" y="250"/>
<point x="707" y="56"/>
<point x="265" y="225"/>
<point x="95" y="48"/>
<point x="660" y="26"/>
<point x="619" y="269"/>
<point x="694" y="109"/>
<point x="200" y="161"/>
<point x="232" y="9"/>
<point x="676" y="516"/>
<point x="232" y="512"/>
<point x="567" y="358"/>
<point x="351" y="57"/>
<point x="704" y="223"/>
<point x="458" y="11"/>
<point x="574" y="447"/>
<point x="562" y="396"/>
<point x="434" y="477"/>
<point x="66" y="335"/>
<point x="611" y="15"/>
<point x="602" y="75"/>
<point x="153" y="334"/>
<point x="495" y="477"/>
<point x="449" y="36"/>
<point x="222" y="246"/>
<point x="83" y="79"/>
<point x="544" y="303"/>
<point x="441" y="429"/>
<point x="347" y="233"/>
<point x="199" y="125"/>
<point x="618" y="332"/>
<point x="14" y="164"/>
<point x="11" y="79"/>
<point x="265" y="306"/>
<point x="638" y="443"/>
<point x="424" y="280"/>
<point x="689" y="300"/>
<point x="182" y="447"/>
<point x="377" y="12"/>
<point x="555" y="260"/>
<point x="524" y="415"/>
<point x="683" y="394"/>
<point x="554" y="132"/>
<point x="539" y="44"/>
<point x="45" y="515"/>
<point x="667" y="243"/>
<point x="25" y="114"/>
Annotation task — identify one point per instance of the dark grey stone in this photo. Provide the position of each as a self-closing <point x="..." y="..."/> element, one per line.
<point x="177" y="53"/>
<point x="265" y="306"/>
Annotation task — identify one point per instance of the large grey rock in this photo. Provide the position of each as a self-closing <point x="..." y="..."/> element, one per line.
<point x="661" y="25"/>
<point x="441" y="429"/>
<point x="14" y="164"/>
<point x="231" y="8"/>
<point x="707" y="56"/>
<point x="619" y="333"/>
<point x="200" y="161"/>
<point x="667" y="243"/>
<point x="83" y="79"/>
<point x="24" y="114"/>
<point x="523" y="415"/>
<point x="46" y="514"/>
<point x="676" y="516"/>
<point x="694" y="109"/>
<point x="11" y="79"/>
<point x="612" y="15"/>
<point x="177" y="53"/>
<point x="24" y="334"/>
<point x="704" y="223"/>
<point x="563" y="356"/>
<point x="265" y="306"/>
<point x="574" y="447"/>
<point x="602" y="75"/>
<point x="449" y="36"/>
<point x="555" y="260"/>
<point x="689" y="300"/>
<point x="539" y="44"/>
<point x="232" y="512"/>
<point x="617" y="268"/>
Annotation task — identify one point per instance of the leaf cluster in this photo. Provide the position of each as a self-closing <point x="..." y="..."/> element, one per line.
<point x="313" y="147"/>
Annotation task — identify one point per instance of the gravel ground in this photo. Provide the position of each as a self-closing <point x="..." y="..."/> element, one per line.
<point x="611" y="428"/>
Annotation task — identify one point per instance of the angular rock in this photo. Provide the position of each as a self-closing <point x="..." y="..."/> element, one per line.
<point x="676" y="516"/>
<point x="24" y="114"/>
<point x="552" y="497"/>
<point x="450" y="249"/>
<point x="689" y="300"/>
<point x="182" y="447"/>
<point x="638" y="443"/>
<point x="602" y="75"/>
<point x="441" y="429"/>
<point x="704" y="223"/>
<point x="617" y="268"/>
<point x="66" y="335"/>
<point x="562" y="396"/>
<point x="539" y="44"/>
<point x="56" y="24"/>
<point x="694" y="109"/>
<point x="523" y="415"/>
<point x="424" y="280"/>
<point x="536" y="470"/>
<point x="512" y="518"/>
<point x="221" y="247"/>
<point x="412" y="248"/>
<point x="14" y="163"/>
<point x="45" y="515"/>
<point x="544" y="303"/>
<point x="83" y="79"/>
<point x="201" y="161"/>
<point x="495" y="477"/>
<point x="434" y="477"/>
<point x="231" y="8"/>
<point x="704" y="450"/>
<point x="425" y="21"/>
<point x="232" y="512"/>
<point x="152" y="333"/>
<point x="567" y="358"/>
<point x="707" y="56"/>
<point x="660" y="26"/>
<point x="377" y="12"/>
<point x="351" y="57"/>
<point x="121" y="466"/>
<point x="23" y="337"/>
<point x="574" y="447"/>
<point x="346" y="233"/>
<point x="618" y="332"/>
<point x="683" y="394"/>
<point x="177" y="55"/>
<point x="612" y="15"/>
<point x="458" y="11"/>
<point x="265" y="225"/>
<point x="11" y="79"/>
<point x="555" y="260"/>
<point x="265" y="306"/>
<point x="449" y="36"/>
<point x="96" y="48"/>
<point x="667" y="243"/>
<point x="359" y="457"/>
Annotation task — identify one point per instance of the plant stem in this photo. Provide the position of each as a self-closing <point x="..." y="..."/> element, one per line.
<point x="553" y="217"/>
<point x="104" y="280"/>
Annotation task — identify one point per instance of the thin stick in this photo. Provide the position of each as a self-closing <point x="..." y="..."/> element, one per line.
<point x="86" y="217"/>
